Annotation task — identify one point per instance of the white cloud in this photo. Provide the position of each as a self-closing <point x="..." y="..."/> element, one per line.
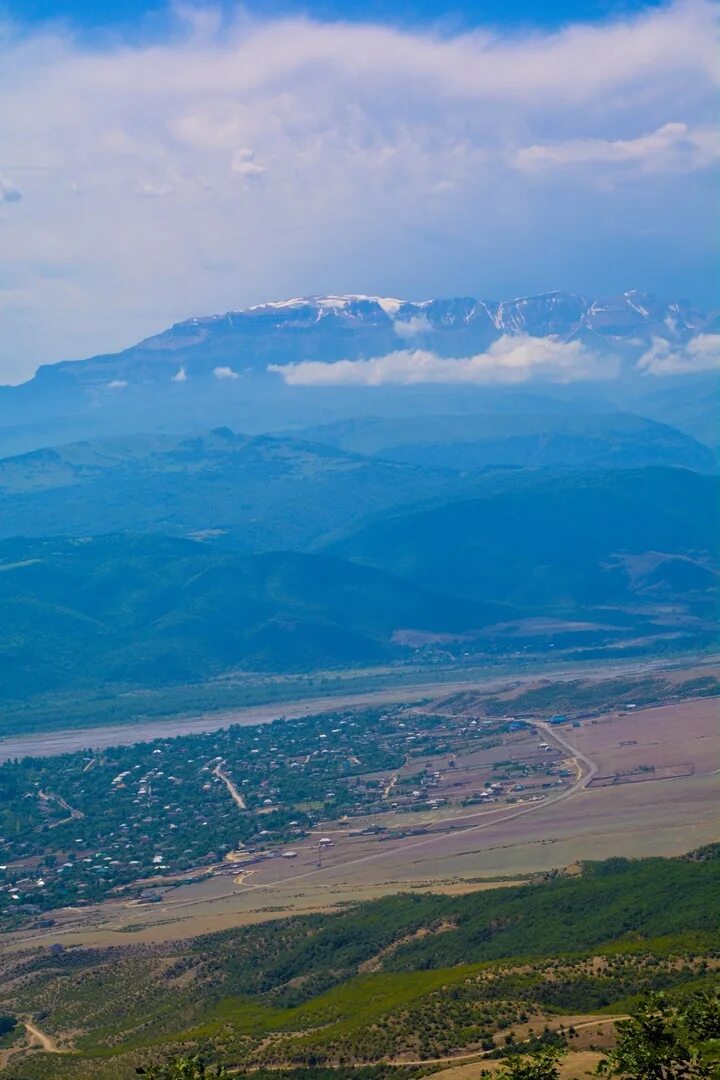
<point x="117" y="384"/>
<point x="237" y="161"/>
<point x="511" y="359"/>
<point x="8" y="192"/>
<point x="180" y="375"/>
<point x="411" y="328"/>
<point x="674" y="147"/>
<point x="243" y="164"/>
<point x="225" y="373"/>
<point x="152" y="191"/>
<point x="702" y="353"/>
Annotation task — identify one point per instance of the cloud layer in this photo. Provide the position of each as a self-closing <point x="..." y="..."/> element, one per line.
<point x="702" y="353"/>
<point x="226" y="165"/>
<point x="510" y="359"/>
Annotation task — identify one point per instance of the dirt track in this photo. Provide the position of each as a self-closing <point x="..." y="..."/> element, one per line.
<point x="234" y="793"/>
<point x="46" y="1042"/>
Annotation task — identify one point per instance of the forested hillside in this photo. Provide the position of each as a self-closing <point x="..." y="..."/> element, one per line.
<point x="407" y="976"/>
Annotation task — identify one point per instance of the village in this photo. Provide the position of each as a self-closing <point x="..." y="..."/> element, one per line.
<point x="134" y="822"/>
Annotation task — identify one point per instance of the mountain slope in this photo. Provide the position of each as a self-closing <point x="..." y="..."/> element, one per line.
<point x="583" y="440"/>
<point x="561" y="544"/>
<point x="417" y="975"/>
<point x="579" y="559"/>
<point x="154" y="611"/>
<point x="213" y="370"/>
<point x="267" y="493"/>
<point x="352" y="327"/>
<point x="286" y="492"/>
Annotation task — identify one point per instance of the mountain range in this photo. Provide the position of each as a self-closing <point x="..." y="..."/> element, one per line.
<point x="262" y="493"/>
<point x="178" y="512"/>
<point x="223" y="369"/>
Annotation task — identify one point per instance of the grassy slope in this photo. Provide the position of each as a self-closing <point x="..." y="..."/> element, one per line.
<point x="299" y="982"/>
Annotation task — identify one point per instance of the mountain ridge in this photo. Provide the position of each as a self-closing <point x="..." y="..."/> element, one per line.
<point x="230" y="369"/>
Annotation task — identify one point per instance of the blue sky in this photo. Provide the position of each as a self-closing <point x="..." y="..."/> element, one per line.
<point x="161" y="163"/>
<point x="125" y="14"/>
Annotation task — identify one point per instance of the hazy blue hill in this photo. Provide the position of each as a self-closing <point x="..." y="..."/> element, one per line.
<point x="688" y="403"/>
<point x="152" y="610"/>
<point x="627" y="554"/>
<point x="267" y="492"/>
<point x="555" y="543"/>
<point x="539" y="439"/>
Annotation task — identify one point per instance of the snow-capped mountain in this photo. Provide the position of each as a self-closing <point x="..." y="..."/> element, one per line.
<point x="331" y="328"/>
<point x="557" y="313"/>
<point x="218" y="369"/>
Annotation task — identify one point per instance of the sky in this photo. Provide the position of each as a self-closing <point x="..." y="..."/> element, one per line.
<point x="159" y="163"/>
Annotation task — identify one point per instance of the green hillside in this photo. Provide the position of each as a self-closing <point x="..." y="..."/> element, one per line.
<point x="563" y="543"/>
<point x="415" y="974"/>
<point x="264" y="493"/>
<point x="152" y="611"/>
<point x="608" y="557"/>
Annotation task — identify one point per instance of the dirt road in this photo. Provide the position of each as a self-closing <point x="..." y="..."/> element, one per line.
<point x="477" y="1055"/>
<point x="235" y="794"/>
<point x="46" y="1042"/>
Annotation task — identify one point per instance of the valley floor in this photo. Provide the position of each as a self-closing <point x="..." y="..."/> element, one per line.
<point x="642" y="781"/>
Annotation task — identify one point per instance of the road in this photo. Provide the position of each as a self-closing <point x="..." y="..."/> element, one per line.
<point x="454" y="1059"/>
<point x="73" y="814"/>
<point x="477" y="1055"/>
<point x="592" y="769"/>
<point x="46" y="1042"/>
<point x="237" y="797"/>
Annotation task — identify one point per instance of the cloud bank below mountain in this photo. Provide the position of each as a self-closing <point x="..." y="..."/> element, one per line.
<point x="510" y="359"/>
<point x="701" y="353"/>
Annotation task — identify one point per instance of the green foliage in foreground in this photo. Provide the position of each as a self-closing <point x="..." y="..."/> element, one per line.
<point x="414" y="977"/>
<point x="659" y="1041"/>
<point x="182" y="1069"/>
<point x="542" y="1065"/>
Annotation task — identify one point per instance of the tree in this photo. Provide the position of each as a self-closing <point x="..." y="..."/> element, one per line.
<point x="701" y="1016"/>
<point x="661" y="1042"/>
<point x="539" y="1065"/>
<point x="182" y="1069"/>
